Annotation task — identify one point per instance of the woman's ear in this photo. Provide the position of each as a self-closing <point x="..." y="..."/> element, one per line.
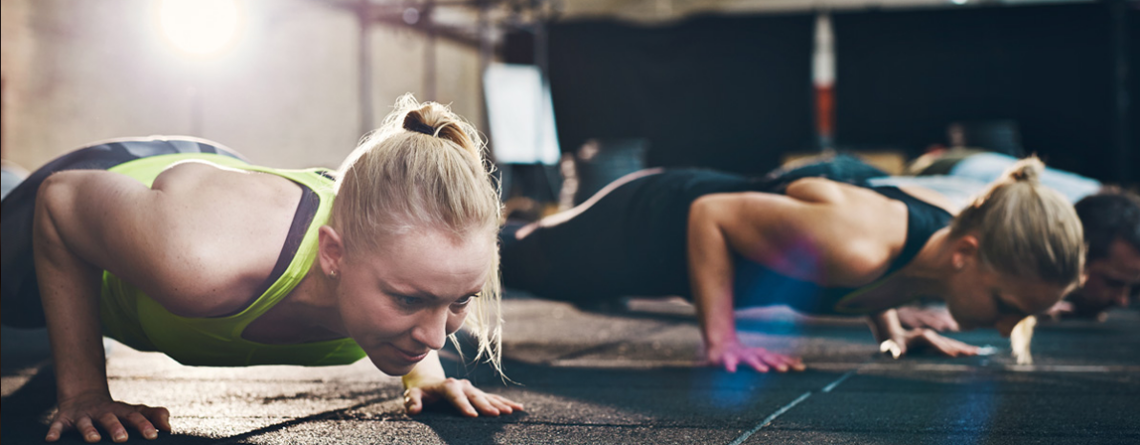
<point x="330" y="251"/>
<point x="965" y="251"/>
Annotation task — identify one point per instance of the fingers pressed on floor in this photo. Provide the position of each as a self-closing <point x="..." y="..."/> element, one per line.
<point x="459" y="400"/>
<point x="756" y="363"/>
<point x="87" y="429"/>
<point x="481" y="403"/>
<point x="54" y="431"/>
<point x="114" y="428"/>
<point x="160" y="417"/>
<point x="143" y="425"/>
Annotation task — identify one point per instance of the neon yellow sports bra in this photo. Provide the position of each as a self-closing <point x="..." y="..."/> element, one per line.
<point x="135" y="319"/>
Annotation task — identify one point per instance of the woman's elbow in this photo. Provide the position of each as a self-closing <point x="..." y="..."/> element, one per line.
<point x="707" y="209"/>
<point x="50" y="201"/>
<point x="55" y="193"/>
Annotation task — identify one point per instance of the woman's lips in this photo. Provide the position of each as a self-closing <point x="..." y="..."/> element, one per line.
<point x="407" y="357"/>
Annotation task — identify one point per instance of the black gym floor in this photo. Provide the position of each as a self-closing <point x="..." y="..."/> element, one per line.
<point x="631" y="377"/>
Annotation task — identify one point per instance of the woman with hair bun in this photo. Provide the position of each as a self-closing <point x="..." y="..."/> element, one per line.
<point x="818" y="246"/>
<point x="179" y="245"/>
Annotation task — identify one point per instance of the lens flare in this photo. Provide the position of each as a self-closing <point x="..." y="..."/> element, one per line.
<point x="200" y="27"/>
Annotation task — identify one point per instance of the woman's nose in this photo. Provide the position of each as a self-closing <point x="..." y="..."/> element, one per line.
<point x="431" y="331"/>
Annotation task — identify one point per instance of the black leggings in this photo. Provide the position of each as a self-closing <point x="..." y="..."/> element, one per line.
<point x="585" y="259"/>
<point x="18" y="286"/>
<point x="629" y="239"/>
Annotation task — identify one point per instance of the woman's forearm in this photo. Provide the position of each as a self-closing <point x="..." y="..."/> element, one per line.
<point x="710" y="271"/>
<point x="69" y="289"/>
<point x="886" y="326"/>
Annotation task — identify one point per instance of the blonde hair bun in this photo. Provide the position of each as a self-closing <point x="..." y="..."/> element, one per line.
<point x="1026" y="170"/>
<point x="436" y="120"/>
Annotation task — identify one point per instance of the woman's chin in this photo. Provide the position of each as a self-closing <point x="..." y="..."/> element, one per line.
<point x="394" y="368"/>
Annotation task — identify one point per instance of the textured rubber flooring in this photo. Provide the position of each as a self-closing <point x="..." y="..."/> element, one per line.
<point x="634" y="378"/>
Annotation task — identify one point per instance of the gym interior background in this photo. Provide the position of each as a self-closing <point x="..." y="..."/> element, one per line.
<point x="739" y="85"/>
<point x="734" y="84"/>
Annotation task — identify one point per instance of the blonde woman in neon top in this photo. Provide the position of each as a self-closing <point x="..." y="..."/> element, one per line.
<point x="178" y="245"/>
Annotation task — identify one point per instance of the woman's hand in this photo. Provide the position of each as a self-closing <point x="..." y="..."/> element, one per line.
<point x="934" y="317"/>
<point x="84" y="411"/>
<point x="468" y="399"/>
<point x="916" y="339"/>
<point x="760" y="359"/>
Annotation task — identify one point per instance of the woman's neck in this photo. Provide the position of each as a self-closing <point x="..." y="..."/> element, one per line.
<point x="922" y="277"/>
<point x="928" y="268"/>
<point x="307" y="314"/>
<point x="313" y="302"/>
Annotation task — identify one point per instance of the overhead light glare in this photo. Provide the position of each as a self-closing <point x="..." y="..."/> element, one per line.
<point x="200" y="27"/>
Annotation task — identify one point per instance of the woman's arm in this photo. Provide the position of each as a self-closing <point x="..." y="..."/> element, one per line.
<point x="710" y="269"/>
<point x="68" y="226"/>
<point x="848" y="231"/>
<point x="818" y="231"/>
<point x="918" y="315"/>
<point x="427" y="383"/>
<point x="185" y="242"/>
<point x="717" y="229"/>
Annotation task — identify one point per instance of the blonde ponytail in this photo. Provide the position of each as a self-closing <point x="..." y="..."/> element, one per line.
<point x="1024" y="228"/>
<point x="1026" y="170"/>
<point x="424" y="169"/>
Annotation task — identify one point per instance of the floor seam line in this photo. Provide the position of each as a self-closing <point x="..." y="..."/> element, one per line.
<point x="832" y="385"/>
<point x="768" y="420"/>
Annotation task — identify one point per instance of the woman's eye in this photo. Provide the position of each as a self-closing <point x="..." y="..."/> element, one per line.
<point x="409" y="301"/>
<point x="464" y="301"/>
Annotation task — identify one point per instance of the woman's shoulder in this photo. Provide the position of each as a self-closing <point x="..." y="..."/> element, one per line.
<point x="204" y="180"/>
<point x="858" y="229"/>
<point x="824" y="191"/>
<point x="209" y="215"/>
<point x="930" y="197"/>
<point x="851" y="231"/>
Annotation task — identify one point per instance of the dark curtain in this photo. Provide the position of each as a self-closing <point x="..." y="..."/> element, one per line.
<point x="1131" y="157"/>
<point x="903" y="76"/>
<point x="732" y="93"/>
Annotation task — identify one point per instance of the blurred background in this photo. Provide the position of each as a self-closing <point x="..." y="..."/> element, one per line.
<point x="738" y="85"/>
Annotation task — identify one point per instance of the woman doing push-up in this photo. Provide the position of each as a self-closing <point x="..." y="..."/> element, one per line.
<point x="180" y="246"/>
<point x="818" y="246"/>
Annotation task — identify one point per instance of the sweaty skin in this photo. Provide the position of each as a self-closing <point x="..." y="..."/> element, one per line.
<point x="200" y="242"/>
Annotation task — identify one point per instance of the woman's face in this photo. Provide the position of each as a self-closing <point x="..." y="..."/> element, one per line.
<point x="979" y="297"/>
<point x="403" y="301"/>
